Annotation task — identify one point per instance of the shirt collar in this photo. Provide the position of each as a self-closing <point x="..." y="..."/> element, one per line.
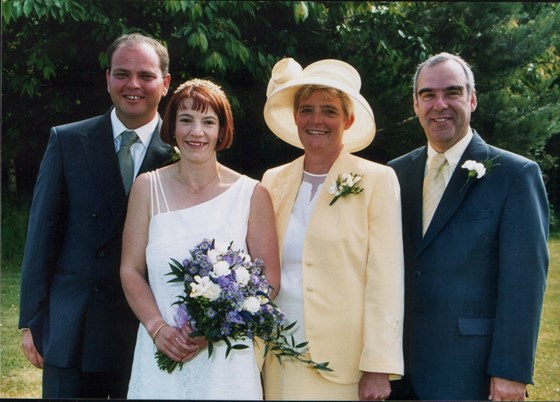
<point x="453" y="154"/>
<point x="144" y="133"/>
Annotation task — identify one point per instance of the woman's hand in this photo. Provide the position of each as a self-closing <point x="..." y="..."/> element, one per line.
<point x="176" y="343"/>
<point x="199" y="342"/>
<point x="374" y="386"/>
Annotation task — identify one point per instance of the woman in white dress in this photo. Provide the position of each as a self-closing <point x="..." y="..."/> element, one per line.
<point x="170" y="211"/>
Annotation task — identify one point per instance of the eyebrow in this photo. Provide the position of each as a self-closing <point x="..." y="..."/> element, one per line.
<point x="323" y="106"/>
<point x="125" y="70"/>
<point x="446" y="89"/>
<point x="187" y="113"/>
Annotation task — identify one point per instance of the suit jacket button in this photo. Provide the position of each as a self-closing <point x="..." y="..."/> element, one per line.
<point x="417" y="274"/>
<point x="100" y="253"/>
<point x="94" y="215"/>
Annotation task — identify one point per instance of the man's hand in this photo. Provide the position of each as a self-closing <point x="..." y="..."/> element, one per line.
<point x="506" y="390"/>
<point x="29" y="349"/>
<point x="374" y="386"/>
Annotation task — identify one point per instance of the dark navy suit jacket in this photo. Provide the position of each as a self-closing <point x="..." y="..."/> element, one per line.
<point x="71" y="294"/>
<point x="475" y="283"/>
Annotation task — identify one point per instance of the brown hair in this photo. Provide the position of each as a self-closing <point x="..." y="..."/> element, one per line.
<point x="204" y="94"/>
<point x="135" y="39"/>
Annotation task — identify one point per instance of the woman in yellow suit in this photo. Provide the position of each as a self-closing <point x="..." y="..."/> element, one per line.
<point x="339" y="226"/>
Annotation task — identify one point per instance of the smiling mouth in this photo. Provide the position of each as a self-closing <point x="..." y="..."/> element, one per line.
<point x="132" y="97"/>
<point x="441" y="119"/>
<point x="316" y="132"/>
<point x="195" y="144"/>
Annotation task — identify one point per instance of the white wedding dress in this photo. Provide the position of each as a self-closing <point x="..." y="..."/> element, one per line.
<point x="171" y="235"/>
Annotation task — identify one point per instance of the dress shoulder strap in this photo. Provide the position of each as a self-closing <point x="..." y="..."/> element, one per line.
<point x="157" y="195"/>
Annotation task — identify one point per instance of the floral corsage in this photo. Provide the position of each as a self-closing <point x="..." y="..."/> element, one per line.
<point x="477" y="170"/>
<point x="345" y="184"/>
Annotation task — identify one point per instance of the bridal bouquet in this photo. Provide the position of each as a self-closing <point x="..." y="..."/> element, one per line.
<point x="227" y="298"/>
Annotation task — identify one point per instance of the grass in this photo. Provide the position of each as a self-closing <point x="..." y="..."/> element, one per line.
<point x="547" y="363"/>
<point x="19" y="379"/>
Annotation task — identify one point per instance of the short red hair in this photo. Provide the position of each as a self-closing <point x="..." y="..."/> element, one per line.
<point x="204" y="94"/>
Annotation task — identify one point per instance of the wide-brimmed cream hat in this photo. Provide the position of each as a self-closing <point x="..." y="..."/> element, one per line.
<point x="288" y="76"/>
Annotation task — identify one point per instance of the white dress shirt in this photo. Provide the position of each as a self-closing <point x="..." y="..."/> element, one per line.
<point x="453" y="156"/>
<point x="139" y="148"/>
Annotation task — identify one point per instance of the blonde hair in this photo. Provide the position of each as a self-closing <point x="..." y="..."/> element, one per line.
<point x="305" y="91"/>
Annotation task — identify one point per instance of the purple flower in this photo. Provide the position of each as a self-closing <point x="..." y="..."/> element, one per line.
<point x="224" y="281"/>
<point x="234" y="317"/>
<point x="228" y="316"/>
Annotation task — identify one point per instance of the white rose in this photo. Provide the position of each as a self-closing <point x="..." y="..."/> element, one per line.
<point x="245" y="257"/>
<point x="357" y="179"/>
<point x="197" y="288"/>
<point x="333" y="189"/>
<point x="242" y="276"/>
<point x="221" y="246"/>
<point x="251" y="304"/>
<point x="213" y="256"/>
<point x="221" y="268"/>
<point x="205" y="287"/>
<point x="213" y="291"/>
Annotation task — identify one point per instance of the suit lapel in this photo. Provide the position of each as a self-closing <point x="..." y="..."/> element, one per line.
<point x="455" y="191"/>
<point x="100" y="155"/>
<point x="156" y="153"/>
<point x="411" y="181"/>
<point x="285" y="192"/>
<point x="99" y="150"/>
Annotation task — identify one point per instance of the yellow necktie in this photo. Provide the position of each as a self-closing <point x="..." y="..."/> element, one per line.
<point x="434" y="186"/>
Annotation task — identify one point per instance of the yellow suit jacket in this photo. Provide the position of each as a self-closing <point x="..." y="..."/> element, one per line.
<point x="353" y="270"/>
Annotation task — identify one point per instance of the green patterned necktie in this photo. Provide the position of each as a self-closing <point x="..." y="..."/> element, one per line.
<point x="126" y="163"/>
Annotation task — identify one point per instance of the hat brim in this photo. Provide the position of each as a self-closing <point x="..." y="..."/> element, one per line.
<point x="279" y="114"/>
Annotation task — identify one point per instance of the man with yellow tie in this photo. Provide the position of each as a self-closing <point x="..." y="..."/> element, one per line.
<point x="475" y="228"/>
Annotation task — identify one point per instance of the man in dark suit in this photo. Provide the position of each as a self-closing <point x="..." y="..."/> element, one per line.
<point x="476" y="271"/>
<point x="75" y="321"/>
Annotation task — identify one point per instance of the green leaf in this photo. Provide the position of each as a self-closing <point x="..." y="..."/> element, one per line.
<point x="289" y="326"/>
<point x="27" y="7"/>
<point x="7" y="11"/>
<point x="243" y="53"/>
<point x="203" y="41"/>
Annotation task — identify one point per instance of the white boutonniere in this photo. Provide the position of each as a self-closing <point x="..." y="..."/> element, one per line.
<point x="174" y="155"/>
<point x="345" y="184"/>
<point x="477" y="170"/>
